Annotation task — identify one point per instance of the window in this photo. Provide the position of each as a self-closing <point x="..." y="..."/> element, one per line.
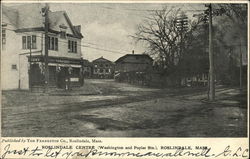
<point x="14" y="67"/>
<point x="3" y="37"/>
<point x="56" y="44"/>
<point x="24" y="42"/>
<point x="75" y="46"/>
<point x="69" y="45"/>
<point x="63" y="34"/>
<point x="33" y="41"/>
<point x="72" y="46"/>
<point x="29" y="42"/>
<point x="53" y="43"/>
<point x="49" y="43"/>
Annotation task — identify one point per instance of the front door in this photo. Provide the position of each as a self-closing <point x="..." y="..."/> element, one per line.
<point x="61" y="77"/>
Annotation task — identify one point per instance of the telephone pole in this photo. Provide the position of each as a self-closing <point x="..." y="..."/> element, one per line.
<point x="211" y="57"/>
<point x="46" y="28"/>
<point x="30" y="83"/>
<point x="240" y="67"/>
<point x="182" y="26"/>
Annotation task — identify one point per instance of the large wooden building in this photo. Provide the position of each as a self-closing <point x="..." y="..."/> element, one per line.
<point x="103" y="68"/>
<point x="134" y="68"/>
<point x="23" y="48"/>
<point x="134" y="62"/>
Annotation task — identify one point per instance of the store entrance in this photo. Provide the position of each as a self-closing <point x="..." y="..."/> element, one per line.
<point x="62" y="75"/>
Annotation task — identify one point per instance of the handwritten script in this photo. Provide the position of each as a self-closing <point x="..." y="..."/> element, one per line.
<point x="61" y="153"/>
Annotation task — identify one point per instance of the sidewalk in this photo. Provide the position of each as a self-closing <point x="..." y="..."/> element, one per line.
<point x="225" y="96"/>
<point x="86" y="89"/>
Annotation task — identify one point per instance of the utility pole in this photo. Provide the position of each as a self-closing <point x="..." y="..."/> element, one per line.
<point x="46" y="27"/>
<point x="30" y="83"/>
<point x="182" y="27"/>
<point x="211" y="57"/>
<point x="240" y="67"/>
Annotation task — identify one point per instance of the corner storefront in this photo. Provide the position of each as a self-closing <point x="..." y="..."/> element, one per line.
<point x="64" y="72"/>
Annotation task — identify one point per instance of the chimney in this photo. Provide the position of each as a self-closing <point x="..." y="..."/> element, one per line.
<point x="133" y="52"/>
<point x="78" y="28"/>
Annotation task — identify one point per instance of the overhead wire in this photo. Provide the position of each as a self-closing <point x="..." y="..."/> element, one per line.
<point x="85" y="46"/>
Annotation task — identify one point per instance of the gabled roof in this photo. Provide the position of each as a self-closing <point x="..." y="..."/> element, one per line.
<point x="139" y="57"/>
<point x="28" y="16"/>
<point x="101" y="59"/>
<point x="12" y="15"/>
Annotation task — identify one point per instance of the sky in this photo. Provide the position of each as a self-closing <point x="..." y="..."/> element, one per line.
<point x="109" y="26"/>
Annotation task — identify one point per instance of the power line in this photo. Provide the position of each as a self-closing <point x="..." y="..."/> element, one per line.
<point x="85" y="46"/>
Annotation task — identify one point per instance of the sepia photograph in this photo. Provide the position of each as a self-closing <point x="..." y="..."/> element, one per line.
<point x="124" y="69"/>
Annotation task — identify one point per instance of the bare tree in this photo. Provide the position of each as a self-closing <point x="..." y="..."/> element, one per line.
<point x="169" y="45"/>
<point x="160" y="32"/>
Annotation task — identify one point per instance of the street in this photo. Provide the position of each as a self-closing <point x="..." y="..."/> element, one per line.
<point x="122" y="110"/>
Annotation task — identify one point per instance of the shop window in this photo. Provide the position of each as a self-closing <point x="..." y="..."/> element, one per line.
<point x="75" y="72"/>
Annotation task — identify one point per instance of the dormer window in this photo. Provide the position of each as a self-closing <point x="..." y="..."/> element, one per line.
<point x="63" y="29"/>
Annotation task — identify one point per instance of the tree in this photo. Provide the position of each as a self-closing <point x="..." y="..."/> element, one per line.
<point x="161" y="35"/>
<point x="175" y="42"/>
<point x="234" y="17"/>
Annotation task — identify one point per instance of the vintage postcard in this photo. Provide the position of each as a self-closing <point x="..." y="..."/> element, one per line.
<point x="124" y="79"/>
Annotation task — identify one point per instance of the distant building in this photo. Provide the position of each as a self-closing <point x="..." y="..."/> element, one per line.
<point x="134" y="68"/>
<point x="87" y="69"/>
<point x="103" y="68"/>
<point x="23" y="48"/>
<point x="134" y="62"/>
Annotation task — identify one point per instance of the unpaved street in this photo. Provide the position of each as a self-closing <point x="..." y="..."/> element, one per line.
<point x="124" y="110"/>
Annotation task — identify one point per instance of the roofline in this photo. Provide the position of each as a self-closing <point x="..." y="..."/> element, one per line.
<point x="57" y="57"/>
<point x="71" y="26"/>
<point x="102" y="58"/>
<point x="42" y="29"/>
<point x="133" y="55"/>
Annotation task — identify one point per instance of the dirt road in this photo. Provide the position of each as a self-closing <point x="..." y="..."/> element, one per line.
<point x="123" y="110"/>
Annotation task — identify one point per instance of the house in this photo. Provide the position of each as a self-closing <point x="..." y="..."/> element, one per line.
<point x="134" y="62"/>
<point x="134" y="68"/>
<point x="87" y="68"/>
<point x="103" y="68"/>
<point x="23" y="48"/>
